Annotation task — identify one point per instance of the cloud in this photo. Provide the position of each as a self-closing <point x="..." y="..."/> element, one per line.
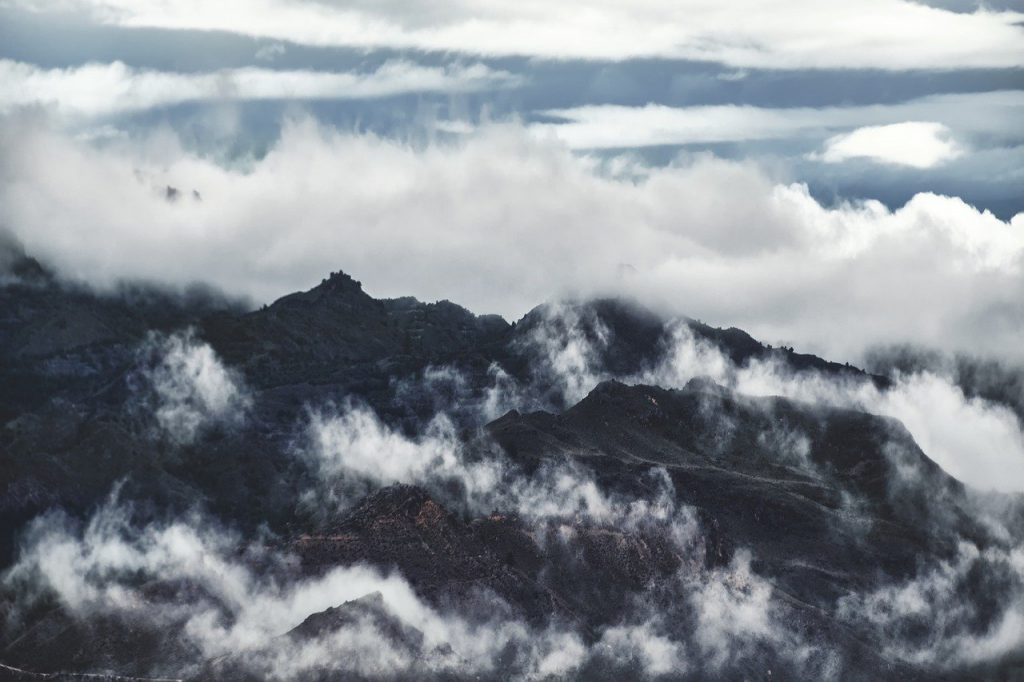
<point x="937" y="617"/>
<point x="976" y="440"/>
<point x="688" y="231"/>
<point x="230" y="608"/>
<point x="105" y="89"/>
<point x="989" y="114"/>
<point x="657" y="654"/>
<point x="977" y="377"/>
<point x="219" y="598"/>
<point x="500" y="221"/>
<point x="228" y="598"/>
<point x="188" y="388"/>
<point x="732" y="611"/>
<point x="354" y="452"/>
<point x="913" y="143"/>
<point x="205" y="587"/>
<point x="878" y="34"/>
<point x="567" y="351"/>
<point x="270" y="52"/>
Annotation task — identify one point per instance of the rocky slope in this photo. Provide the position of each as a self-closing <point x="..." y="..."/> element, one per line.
<point x="525" y="483"/>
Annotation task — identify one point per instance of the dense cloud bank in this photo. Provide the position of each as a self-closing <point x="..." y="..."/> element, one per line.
<point x="500" y="220"/>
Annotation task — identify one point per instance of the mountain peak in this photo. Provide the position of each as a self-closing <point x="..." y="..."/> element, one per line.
<point x="336" y="286"/>
<point x="341" y="282"/>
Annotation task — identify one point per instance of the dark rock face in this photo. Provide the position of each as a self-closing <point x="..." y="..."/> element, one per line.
<point x="686" y="533"/>
<point x="336" y="332"/>
<point x="59" y="642"/>
<point x="403" y="527"/>
<point x="789" y="510"/>
<point x="446" y="559"/>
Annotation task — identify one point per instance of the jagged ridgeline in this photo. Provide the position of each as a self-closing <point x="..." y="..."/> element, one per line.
<point x="335" y="486"/>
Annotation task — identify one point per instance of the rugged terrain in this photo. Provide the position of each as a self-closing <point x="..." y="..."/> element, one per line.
<point x="339" y="487"/>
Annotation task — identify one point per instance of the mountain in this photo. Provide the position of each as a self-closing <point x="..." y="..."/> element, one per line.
<point x="789" y="508"/>
<point x="335" y="331"/>
<point x="199" y="467"/>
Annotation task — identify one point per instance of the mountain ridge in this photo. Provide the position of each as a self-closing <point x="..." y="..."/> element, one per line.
<point x="526" y="470"/>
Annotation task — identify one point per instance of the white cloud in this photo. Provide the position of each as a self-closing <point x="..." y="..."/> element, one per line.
<point x="191" y="388"/>
<point x="500" y="221"/>
<point x="657" y="654"/>
<point x="354" y="448"/>
<point x="566" y="354"/>
<point x="896" y="138"/>
<point x="354" y="452"/>
<point x="235" y="610"/>
<point x="99" y="89"/>
<point x="913" y="143"/>
<point x="733" y="611"/>
<point x="356" y="442"/>
<point x="974" y="440"/>
<point x="885" y="34"/>
<point x="961" y="631"/>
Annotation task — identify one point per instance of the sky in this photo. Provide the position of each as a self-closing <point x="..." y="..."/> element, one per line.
<point x="834" y="176"/>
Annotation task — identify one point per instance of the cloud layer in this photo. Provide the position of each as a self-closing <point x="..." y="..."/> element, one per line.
<point x="880" y="34"/>
<point x="500" y="221"/>
<point x="103" y="89"/>
<point x="990" y="114"/>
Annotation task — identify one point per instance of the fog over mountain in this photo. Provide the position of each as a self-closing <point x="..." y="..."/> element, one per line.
<point x="379" y="341"/>
<point x="336" y="486"/>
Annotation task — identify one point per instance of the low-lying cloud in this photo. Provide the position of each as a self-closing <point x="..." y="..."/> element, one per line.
<point x="235" y="610"/>
<point x="227" y="602"/>
<point x="500" y="221"/>
<point x="224" y="600"/>
<point x="187" y="388"/>
<point x="354" y="452"/>
<point x="977" y="440"/>
<point x="937" y="617"/>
